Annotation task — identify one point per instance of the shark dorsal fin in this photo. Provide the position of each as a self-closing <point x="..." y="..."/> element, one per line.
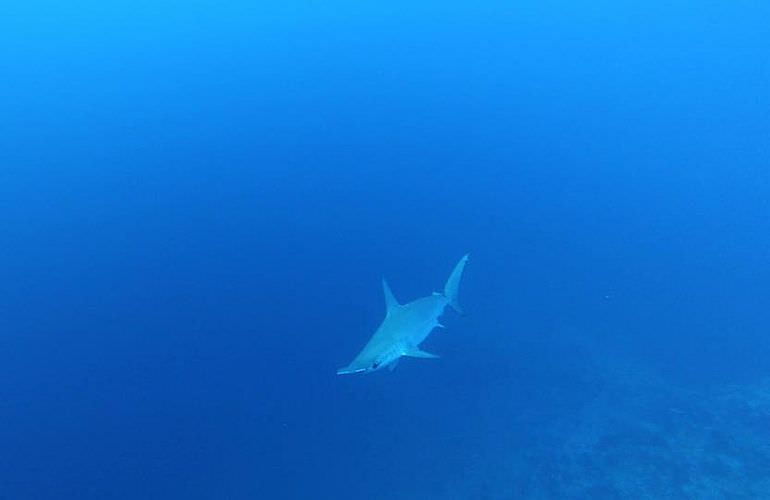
<point x="390" y="300"/>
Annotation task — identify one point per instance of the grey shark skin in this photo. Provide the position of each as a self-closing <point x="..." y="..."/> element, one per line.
<point x="405" y="327"/>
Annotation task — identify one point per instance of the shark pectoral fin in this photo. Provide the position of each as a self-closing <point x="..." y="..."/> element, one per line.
<point x="393" y="365"/>
<point x="416" y="352"/>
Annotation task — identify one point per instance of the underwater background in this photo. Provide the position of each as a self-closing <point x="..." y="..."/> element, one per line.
<point x="198" y="201"/>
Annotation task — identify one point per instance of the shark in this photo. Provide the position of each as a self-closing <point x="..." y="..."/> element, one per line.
<point x="405" y="326"/>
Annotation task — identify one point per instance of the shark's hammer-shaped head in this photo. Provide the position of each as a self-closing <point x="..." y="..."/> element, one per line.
<point x="369" y="362"/>
<point x="355" y="368"/>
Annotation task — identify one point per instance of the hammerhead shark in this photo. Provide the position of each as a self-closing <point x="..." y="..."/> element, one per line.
<point x="406" y="326"/>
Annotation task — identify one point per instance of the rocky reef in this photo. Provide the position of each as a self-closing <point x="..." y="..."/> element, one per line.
<point x="642" y="438"/>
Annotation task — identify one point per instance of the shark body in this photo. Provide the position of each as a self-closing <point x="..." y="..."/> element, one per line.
<point x="405" y="326"/>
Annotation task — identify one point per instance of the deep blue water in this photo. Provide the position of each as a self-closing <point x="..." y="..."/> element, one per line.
<point x="198" y="201"/>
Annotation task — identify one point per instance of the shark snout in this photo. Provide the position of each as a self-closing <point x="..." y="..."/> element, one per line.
<point x="347" y="370"/>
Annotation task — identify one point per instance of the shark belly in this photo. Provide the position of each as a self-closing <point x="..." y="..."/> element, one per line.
<point x="425" y="313"/>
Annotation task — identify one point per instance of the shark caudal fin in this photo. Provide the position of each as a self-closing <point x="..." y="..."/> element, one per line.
<point x="453" y="283"/>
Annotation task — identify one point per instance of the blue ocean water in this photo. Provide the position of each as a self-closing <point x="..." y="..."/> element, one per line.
<point x="199" y="199"/>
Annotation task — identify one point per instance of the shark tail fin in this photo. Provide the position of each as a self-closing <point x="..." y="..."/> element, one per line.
<point x="453" y="283"/>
